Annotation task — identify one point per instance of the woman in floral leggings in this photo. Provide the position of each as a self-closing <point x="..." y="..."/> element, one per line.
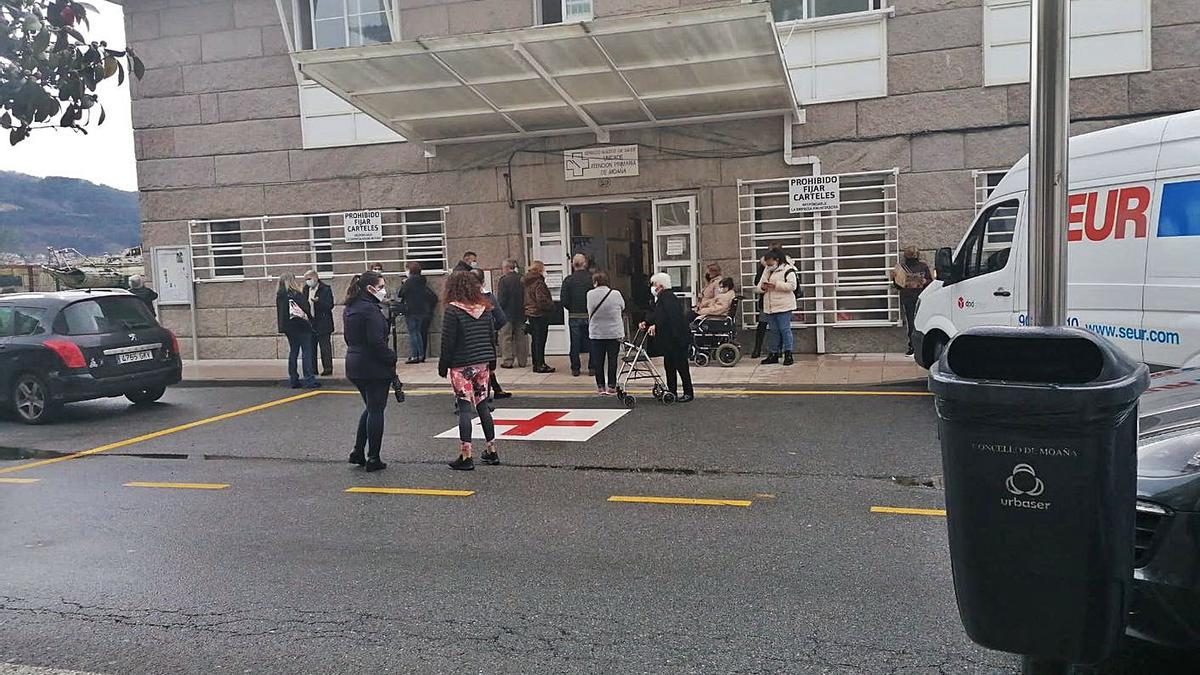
<point x="468" y="346"/>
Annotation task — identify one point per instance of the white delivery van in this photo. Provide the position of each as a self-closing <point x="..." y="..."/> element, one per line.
<point x="1133" y="248"/>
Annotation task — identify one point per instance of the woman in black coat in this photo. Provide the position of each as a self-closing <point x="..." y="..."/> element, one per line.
<point x="370" y="363"/>
<point x="294" y="318"/>
<point x="668" y="326"/>
<point x="468" y="346"/>
<point x="419" y="302"/>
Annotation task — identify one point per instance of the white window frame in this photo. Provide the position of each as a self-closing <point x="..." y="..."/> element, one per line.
<point x="986" y="182"/>
<point x="566" y="17"/>
<point x="320" y="246"/>
<point x="1079" y="67"/>
<point x="787" y="30"/>
<point x="833" y="268"/>
<point x="284" y="243"/>
<point x="309" y="140"/>
<point x="425" y="247"/>
<point x="391" y="14"/>
<point x="225" y="248"/>
<point x="808" y="10"/>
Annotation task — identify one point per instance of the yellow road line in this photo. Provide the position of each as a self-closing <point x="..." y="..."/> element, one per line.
<point x="894" y="510"/>
<point x="680" y="501"/>
<point x="410" y="491"/>
<point x="180" y="486"/>
<point x="19" y="481"/>
<point x="159" y="434"/>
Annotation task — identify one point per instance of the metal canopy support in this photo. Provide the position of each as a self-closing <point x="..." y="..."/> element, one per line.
<point x="1049" y="122"/>
<point x="474" y="90"/>
<point x="601" y="134"/>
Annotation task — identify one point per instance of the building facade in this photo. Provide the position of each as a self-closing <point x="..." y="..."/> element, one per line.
<point x="654" y="135"/>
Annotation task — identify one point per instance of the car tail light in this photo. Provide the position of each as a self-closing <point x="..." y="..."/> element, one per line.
<point x="174" y="343"/>
<point x="68" y="351"/>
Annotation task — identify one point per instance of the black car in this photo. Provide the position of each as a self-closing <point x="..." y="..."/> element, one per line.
<point x="1165" y="607"/>
<point x="67" y="346"/>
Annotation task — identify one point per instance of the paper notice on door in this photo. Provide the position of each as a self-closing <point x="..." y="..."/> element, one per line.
<point x="676" y="245"/>
<point x="551" y="255"/>
<point x="554" y="279"/>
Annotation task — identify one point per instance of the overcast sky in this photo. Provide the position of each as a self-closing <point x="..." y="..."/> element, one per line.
<point x="105" y="154"/>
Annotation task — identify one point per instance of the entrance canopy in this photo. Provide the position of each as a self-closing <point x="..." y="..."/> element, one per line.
<point x="592" y="77"/>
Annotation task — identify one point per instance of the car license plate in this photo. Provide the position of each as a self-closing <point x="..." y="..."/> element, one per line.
<point x="134" y="357"/>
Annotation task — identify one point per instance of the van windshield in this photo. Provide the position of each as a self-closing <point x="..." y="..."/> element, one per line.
<point x="105" y="315"/>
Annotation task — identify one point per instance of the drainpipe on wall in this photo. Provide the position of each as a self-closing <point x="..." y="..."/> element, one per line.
<point x="818" y="249"/>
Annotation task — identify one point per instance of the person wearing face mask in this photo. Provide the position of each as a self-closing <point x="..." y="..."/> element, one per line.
<point x="370" y="364"/>
<point x="712" y="284"/>
<point x="320" y="302"/>
<point x="469" y="262"/>
<point x="777" y="286"/>
<point x="418" y="302"/>
<point x="294" y="319"/>
<point x="668" y="325"/>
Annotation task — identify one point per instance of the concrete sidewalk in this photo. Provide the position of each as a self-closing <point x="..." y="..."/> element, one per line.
<point x="810" y="369"/>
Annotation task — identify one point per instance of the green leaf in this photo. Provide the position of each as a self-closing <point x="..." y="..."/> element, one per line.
<point x="120" y="74"/>
<point x="110" y="66"/>
<point x="17" y="135"/>
<point x="41" y="42"/>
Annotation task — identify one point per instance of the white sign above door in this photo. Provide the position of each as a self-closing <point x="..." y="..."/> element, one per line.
<point x="604" y="162"/>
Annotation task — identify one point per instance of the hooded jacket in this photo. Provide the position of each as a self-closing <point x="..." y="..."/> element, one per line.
<point x="468" y="337"/>
<point x="538" y="301"/>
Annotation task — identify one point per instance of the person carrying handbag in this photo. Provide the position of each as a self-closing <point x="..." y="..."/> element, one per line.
<point x="294" y="321"/>
<point x="539" y="306"/>
<point x="606" y="328"/>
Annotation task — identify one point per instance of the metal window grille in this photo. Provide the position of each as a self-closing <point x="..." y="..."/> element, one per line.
<point x="843" y="257"/>
<point x="264" y="247"/>
<point x="792" y="10"/>
<point x="985" y="184"/>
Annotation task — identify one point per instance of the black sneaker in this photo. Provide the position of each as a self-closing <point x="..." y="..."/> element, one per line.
<point x="909" y="352"/>
<point x="502" y="394"/>
<point x="357" y="458"/>
<point x="491" y="458"/>
<point x="686" y="398"/>
<point x="374" y="464"/>
<point x="787" y="359"/>
<point x="772" y="358"/>
<point x="574" y="372"/>
<point x="463" y="464"/>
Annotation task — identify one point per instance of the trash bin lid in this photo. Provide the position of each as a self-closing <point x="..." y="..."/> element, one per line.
<point x="1049" y="367"/>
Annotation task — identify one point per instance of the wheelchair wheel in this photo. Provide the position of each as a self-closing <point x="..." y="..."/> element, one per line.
<point x="629" y="401"/>
<point x="668" y="397"/>
<point x="728" y="354"/>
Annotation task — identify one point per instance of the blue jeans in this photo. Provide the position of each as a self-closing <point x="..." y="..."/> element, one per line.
<point x="300" y="345"/>
<point x="416" y="335"/>
<point x="580" y="343"/>
<point x="779" y="335"/>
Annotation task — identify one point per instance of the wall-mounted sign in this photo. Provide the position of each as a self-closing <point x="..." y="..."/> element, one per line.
<point x="814" y="193"/>
<point x="172" y="275"/>
<point x="364" y="225"/>
<point x="603" y="162"/>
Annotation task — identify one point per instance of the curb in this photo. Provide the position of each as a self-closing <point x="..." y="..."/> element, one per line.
<point x="916" y="384"/>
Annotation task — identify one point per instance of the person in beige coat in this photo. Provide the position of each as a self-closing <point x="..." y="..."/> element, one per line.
<point x="718" y="306"/>
<point x="777" y="285"/>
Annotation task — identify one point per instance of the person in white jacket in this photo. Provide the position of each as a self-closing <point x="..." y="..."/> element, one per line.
<point x="778" y="288"/>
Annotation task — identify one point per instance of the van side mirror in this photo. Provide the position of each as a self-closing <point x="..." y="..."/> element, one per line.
<point x="943" y="263"/>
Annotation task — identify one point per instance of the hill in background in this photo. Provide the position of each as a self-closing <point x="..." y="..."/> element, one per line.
<point x="65" y="212"/>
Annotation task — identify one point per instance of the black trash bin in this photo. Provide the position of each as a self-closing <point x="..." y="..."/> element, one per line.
<point x="1039" y="432"/>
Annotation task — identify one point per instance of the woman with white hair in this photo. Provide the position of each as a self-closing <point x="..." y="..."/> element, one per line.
<point x="295" y="322"/>
<point x="668" y="325"/>
<point x="137" y="286"/>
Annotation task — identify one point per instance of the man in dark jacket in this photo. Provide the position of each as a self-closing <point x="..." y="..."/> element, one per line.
<point x="574" y="298"/>
<point x="320" y="302"/>
<point x="510" y="293"/>
<point x="469" y="262"/>
<point x="668" y="326"/>
<point x="137" y="286"/>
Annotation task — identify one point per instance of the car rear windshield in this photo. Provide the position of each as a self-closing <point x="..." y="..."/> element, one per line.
<point x="105" y="315"/>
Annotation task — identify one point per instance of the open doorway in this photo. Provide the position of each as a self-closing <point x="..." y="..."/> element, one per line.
<point x="616" y="239"/>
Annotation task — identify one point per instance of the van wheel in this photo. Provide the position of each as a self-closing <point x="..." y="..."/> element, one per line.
<point x="146" y="396"/>
<point x="31" y="400"/>
<point x="937" y="349"/>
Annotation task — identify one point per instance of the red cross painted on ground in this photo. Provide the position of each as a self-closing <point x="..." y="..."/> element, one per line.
<point x="550" y="418"/>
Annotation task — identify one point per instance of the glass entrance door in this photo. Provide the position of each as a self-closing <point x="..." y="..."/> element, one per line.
<point x="674" y="232"/>
<point x="549" y="244"/>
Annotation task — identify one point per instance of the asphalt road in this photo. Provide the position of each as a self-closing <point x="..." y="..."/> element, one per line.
<point x="282" y="571"/>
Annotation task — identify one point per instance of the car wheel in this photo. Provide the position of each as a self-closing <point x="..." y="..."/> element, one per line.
<point x="31" y="399"/>
<point x="145" y="396"/>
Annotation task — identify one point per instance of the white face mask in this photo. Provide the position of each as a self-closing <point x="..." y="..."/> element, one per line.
<point x="473" y="264"/>
<point x="772" y="268"/>
<point x="311" y="283"/>
<point x="655" y="290"/>
<point x="379" y="293"/>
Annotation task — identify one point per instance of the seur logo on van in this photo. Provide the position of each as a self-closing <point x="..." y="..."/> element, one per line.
<point x="1125" y="214"/>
